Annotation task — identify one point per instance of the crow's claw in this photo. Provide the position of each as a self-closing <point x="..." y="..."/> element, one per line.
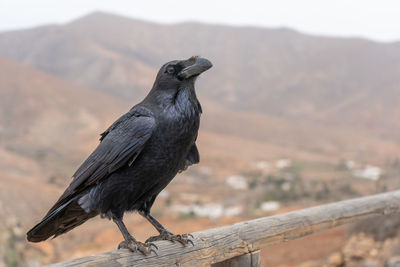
<point x="155" y="252"/>
<point x="134" y="246"/>
<point x="123" y="244"/>
<point x="191" y="242"/>
<point x="183" y="239"/>
<point x="153" y="245"/>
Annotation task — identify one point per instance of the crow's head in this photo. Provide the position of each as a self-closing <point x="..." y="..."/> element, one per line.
<point x="180" y="74"/>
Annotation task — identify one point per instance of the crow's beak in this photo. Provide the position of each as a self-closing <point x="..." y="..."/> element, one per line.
<point x="194" y="66"/>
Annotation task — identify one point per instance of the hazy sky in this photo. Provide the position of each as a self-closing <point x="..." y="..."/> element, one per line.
<point x="379" y="19"/>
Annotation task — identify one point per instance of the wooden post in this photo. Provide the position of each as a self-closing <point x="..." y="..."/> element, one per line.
<point x="246" y="260"/>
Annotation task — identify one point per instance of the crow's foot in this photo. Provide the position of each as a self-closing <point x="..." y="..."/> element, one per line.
<point x="166" y="235"/>
<point x="144" y="248"/>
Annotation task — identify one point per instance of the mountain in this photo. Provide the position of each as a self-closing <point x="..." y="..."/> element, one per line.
<point x="48" y="126"/>
<point x="280" y="72"/>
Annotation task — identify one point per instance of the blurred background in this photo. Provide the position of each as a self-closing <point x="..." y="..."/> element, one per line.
<point x="302" y="107"/>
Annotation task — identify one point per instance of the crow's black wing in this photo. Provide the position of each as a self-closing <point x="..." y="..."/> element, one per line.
<point x="117" y="122"/>
<point x="120" y="144"/>
<point x="192" y="157"/>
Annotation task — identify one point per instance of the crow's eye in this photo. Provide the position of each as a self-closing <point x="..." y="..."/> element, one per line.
<point x="170" y="69"/>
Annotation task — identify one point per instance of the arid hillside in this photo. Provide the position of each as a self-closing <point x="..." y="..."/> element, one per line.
<point x="281" y="72"/>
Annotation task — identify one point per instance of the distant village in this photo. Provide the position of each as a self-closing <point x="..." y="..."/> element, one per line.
<point x="278" y="183"/>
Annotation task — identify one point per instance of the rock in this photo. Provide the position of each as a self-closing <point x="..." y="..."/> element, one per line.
<point x="358" y="247"/>
<point x="336" y="260"/>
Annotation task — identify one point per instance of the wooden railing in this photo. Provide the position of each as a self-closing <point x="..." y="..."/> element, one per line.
<point x="239" y="244"/>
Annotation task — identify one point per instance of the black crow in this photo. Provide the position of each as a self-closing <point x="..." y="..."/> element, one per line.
<point x="138" y="155"/>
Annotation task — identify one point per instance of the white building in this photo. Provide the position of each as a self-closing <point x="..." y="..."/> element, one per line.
<point x="349" y="164"/>
<point x="210" y="210"/>
<point x="369" y="172"/>
<point x="270" y="206"/>
<point x="237" y="182"/>
<point x="283" y="163"/>
<point x="263" y="166"/>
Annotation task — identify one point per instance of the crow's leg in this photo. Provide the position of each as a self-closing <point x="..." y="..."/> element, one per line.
<point x="131" y="243"/>
<point x="164" y="233"/>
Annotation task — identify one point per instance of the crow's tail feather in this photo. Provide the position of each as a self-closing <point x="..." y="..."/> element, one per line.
<point x="59" y="220"/>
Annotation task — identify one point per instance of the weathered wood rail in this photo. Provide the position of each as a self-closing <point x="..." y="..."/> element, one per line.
<point x="238" y="244"/>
